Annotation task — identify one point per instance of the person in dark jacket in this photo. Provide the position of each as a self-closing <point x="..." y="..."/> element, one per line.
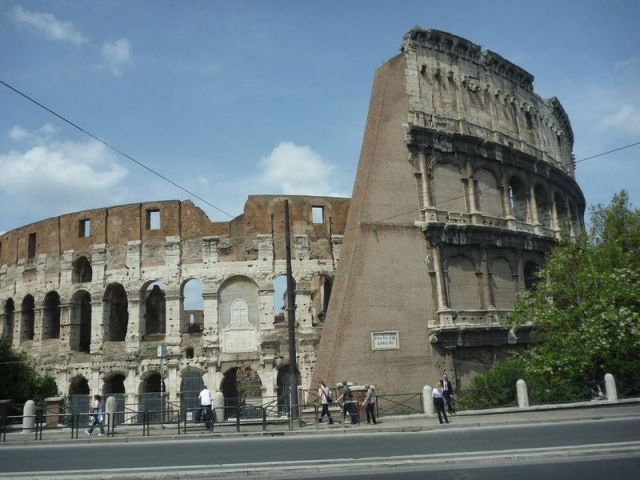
<point x="447" y="393"/>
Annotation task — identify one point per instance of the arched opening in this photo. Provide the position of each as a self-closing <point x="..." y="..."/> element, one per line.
<point x="503" y="283"/>
<point x="462" y="284"/>
<point x="115" y="313"/>
<point x="192" y="317"/>
<point x="241" y="386"/>
<point x="229" y="388"/>
<point x="449" y="188"/>
<point x="322" y="286"/>
<point x="82" y="272"/>
<point x="280" y="298"/>
<point x="153" y="395"/>
<point x="564" y="220"/>
<point x="530" y="277"/>
<point x="543" y="206"/>
<point x="28" y="316"/>
<point x="81" y="321"/>
<point x="79" y="394"/>
<point x="51" y="325"/>
<point x="155" y="309"/>
<point x="489" y="198"/>
<point x="114" y="387"/>
<point x="190" y="387"/>
<point x="518" y="199"/>
<point x="283" y="381"/>
<point x="8" y="319"/>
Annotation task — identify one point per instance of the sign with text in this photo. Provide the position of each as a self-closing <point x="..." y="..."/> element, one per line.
<point x="385" y="340"/>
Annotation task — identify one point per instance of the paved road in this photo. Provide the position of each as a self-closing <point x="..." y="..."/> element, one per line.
<point x="434" y="447"/>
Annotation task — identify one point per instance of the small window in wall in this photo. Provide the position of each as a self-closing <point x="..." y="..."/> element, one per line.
<point x="317" y="214"/>
<point x="85" y="228"/>
<point x="32" y="246"/>
<point x="529" y="119"/>
<point x="153" y="219"/>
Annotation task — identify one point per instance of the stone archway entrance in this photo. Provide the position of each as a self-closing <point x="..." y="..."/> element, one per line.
<point x="80" y="394"/>
<point x="114" y="387"/>
<point x="241" y="387"/>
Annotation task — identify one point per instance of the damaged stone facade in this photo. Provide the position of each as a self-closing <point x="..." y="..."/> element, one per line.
<point x="465" y="182"/>
<point x="92" y="295"/>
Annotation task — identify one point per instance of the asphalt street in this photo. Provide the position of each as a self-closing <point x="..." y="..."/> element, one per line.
<point x="445" y="443"/>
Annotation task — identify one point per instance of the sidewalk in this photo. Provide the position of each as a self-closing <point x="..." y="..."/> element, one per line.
<point x="402" y="423"/>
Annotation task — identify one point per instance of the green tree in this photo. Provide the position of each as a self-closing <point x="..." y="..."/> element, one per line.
<point x="586" y="308"/>
<point x="19" y="380"/>
<point x="585" y="311"/>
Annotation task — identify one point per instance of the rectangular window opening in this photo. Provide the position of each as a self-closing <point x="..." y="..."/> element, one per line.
<point x="153" y="219"/>
<point x="317" y="214"/>
<point x="85" y="228"/>
<point x="32" y="246"/>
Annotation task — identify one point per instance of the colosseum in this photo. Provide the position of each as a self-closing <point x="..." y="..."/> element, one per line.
<point x="92" y="295"/>
<point x="465" y="182"/>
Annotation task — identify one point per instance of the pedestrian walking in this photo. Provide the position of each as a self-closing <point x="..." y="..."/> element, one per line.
<point x="438" y="401"/>
<point x="370" y="404"/>
<point x="97" y="414"/>
<point x="347" y="402"/>
<point x="205" y="404"/>
<point x="325" y="398"/>
<point x="447" y="393"/>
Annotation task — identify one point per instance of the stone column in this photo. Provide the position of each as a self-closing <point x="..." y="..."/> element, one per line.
<point x="427" y="400"/>
<point x="266" y="309"/>
<point x="136" y="324"/>
<point x="172" y="377"/>
<point x="555" y="223"/>
<point x="210" y="301"/>
<point x="473" y="199"/>
<point x="487" y="287"/>
<point x="523" y="395"/>
<point x="94" y="381"/>
<point x="437" y="262"/>
<point x="17" y="329"/>
<point x="173" y="310"/>
<point x="572" y="232"/>
<point x="97" y="331"/>
<point x="130" y="386"/>
<point x="209" y="376"/>
<point x="533" y="210"/>
<point x="38" y="326"/>
<point x="428" y="210"/>
<point x="65" y="325"/>
<point x="610" y="388"/>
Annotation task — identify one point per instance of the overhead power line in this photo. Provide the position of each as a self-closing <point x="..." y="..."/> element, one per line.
<point x="115" y="149"/>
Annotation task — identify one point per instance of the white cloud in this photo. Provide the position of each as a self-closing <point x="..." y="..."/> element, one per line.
<point x="47" y="25"/>
<point x="625" y="120"/>
<point x="297" y="170"/>
<point x="19" y="134"/>
<point x="68" y="175"/>
<point x="116" y="56"/>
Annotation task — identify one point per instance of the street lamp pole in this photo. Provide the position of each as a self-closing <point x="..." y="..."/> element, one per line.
<point x="291" y="317"/>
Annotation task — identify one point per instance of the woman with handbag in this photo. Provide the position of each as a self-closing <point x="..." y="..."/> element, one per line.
<point x="98" y="415"/>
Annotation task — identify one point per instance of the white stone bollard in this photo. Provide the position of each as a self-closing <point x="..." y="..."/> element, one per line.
<point x="427" y="400"/>
<point x="523" y="394"/>
<point x="28" y="415"/>
<point x="110" y="409"/>
<point x="218" y="406"/>
<point x="610" y="388"/>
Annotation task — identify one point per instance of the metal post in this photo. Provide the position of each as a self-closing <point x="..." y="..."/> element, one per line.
<point x="291" y="317"/>
<point x="161" y="384"/>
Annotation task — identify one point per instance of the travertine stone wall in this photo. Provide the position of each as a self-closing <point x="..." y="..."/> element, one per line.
<point x="465" y="181"/>
<point x="129" y="265"/>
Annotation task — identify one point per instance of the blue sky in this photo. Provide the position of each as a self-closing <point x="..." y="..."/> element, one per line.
<point x="236" y="98"/>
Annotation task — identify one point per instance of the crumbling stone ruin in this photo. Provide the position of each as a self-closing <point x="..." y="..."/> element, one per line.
<point x="465" y="181"/>
<point x="92" y="295"/>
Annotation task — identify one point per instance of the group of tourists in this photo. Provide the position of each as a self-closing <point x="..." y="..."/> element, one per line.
<point x="349" y="406"/>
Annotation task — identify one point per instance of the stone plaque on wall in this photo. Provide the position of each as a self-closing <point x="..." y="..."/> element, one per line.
<point x="385" y="340"/>
<point x="240" y="341"/>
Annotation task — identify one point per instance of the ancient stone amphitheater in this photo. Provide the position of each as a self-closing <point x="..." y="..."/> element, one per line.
<point x="465" y="182"/>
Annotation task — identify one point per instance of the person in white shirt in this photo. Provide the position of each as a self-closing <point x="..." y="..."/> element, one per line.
<point x="325" y="398"/>
<point x="205" y="403"/>
<point x="438" y="401"/>
<point x="98" y="415"/>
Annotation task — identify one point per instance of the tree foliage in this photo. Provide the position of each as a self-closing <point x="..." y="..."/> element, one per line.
<point x="585" y="311"/>
<point x="19" y="380"/>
